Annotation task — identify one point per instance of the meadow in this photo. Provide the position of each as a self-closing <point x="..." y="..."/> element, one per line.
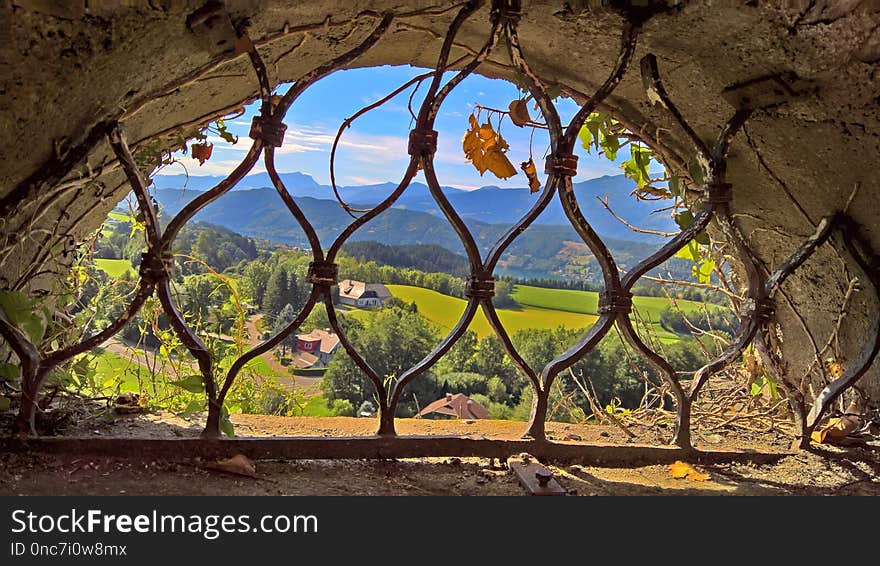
<point x="115" y="268"/>
<point x="445" y="311"/>
<point x="539" y="308"/>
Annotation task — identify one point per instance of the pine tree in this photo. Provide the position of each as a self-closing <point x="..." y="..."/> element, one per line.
<point x="276" y="292"/>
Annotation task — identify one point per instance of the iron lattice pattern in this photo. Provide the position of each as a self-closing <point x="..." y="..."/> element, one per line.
<point x="615" y="304"/>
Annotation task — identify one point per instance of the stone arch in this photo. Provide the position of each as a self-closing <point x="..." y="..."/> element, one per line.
<point x="163" y="67"/>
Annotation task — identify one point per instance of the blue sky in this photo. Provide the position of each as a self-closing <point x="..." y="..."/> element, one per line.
<point x="373" y="150"/>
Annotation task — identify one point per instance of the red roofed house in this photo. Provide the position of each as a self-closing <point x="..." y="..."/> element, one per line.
<point x="456" y="405"/>
<point x="362" y="295"/>
<point x="319" y="343"/>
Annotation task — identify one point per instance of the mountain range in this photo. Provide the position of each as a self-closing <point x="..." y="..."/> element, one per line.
<point x="549" y="248"/>
<point x="489" y="204"/>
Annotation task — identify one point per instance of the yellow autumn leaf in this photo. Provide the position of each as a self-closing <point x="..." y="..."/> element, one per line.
<point x="470" y="144"/>
<point x="682" y="470"/>
<point x="528" y="168"/>
<point x="498" y="163"/>
<point x="835" y="366"/>
<point x="519" y="113"/>
<point x="486" y="132"/>
<point x="479" y="161"/>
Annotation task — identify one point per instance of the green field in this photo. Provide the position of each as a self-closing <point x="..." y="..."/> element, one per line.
<point x="587" y="302"/>
<point x="540" y="308"/>
<point x="115" y="268"/>
<point x="445" y="311"/>
<point x="646" y="308"/>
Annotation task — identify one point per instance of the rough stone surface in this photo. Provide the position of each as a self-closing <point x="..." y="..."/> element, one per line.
<point x="67" y="66"/>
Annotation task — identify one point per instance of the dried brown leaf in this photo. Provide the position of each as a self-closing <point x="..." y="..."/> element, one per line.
<point x="202" y="152"/>
<point x="838" y="428"/>
<point x="835" y="366"/>
<point x="528" y="168"/>
<point x="519" y="113"/>
<point x="239" y="464"/>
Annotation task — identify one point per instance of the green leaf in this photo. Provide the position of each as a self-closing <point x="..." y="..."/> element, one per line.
<point x="19" y="309"/>
<point x="696" y="171"/>
<point x="586" y="137"/>
<point x="691" y="252"/>
<point x="224" y="133"/>
<point x="702" y="271"/>
<point x="191" y="383"/>
<point x="610" y="145"/>
<point x="771" y="384"/>
<point x="674" y="186"/>
<point x="684" y="218"/>
<point x="553" y="91"/>
<point x="702" y="237"/>
<point x="9" y="372"/>
<point x="756" y="387"/>
<point x="5" y="403"/>
<point x="226" y="426"/>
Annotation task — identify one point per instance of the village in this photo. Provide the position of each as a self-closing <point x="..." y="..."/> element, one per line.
<point x="315" y="349"/>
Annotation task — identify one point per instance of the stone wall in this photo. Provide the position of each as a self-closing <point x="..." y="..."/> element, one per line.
<point x="68" y="67"/>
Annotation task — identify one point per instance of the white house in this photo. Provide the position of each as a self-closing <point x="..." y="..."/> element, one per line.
<point x="362" y="295"/>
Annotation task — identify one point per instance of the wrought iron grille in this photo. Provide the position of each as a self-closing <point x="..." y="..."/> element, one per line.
<point x="615" y="305"/>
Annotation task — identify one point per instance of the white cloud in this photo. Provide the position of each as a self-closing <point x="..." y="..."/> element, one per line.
<point x="356" y="180"/>
<point x="211" y="167"/>
<point x="358" y="146"/>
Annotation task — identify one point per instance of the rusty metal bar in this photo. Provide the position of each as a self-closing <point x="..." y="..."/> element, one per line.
<point x="615" y="303"/>
<point x="379" y="447"/>
<point x="869" y="262"/>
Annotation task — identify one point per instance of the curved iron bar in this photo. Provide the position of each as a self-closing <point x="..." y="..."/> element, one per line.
<point x="333" y="65"/>
<point x="716" y="200"/>
<point x="628" y="42"/>
<point x="657" y="94"/>
<point x="386" y="417"/>
<point x="757" y="310"/>
<point x="290" y="203"/>
<point x="470" y="309"/>
<point x="266" y="130"/>
<point x="439" y="350"/>
<point x="424" y="150"/>
<point x="209" y="196"/>
<point x="316" y="292"/>
<point x="428" y="109"/>
<point x="267" y="345"/>
<point x="551" y="117"/>
<point x="146" y="284"/>
<point x="681" y="435"/>
<point x="36" y="366"/>
<point x="513" y="354"/>
<point x="275" y="114"/>
<point x="582" y="227"/>
<point x="412" y="168"/>
<point x="347" y="124"/>
<point x="858" y="248"/>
